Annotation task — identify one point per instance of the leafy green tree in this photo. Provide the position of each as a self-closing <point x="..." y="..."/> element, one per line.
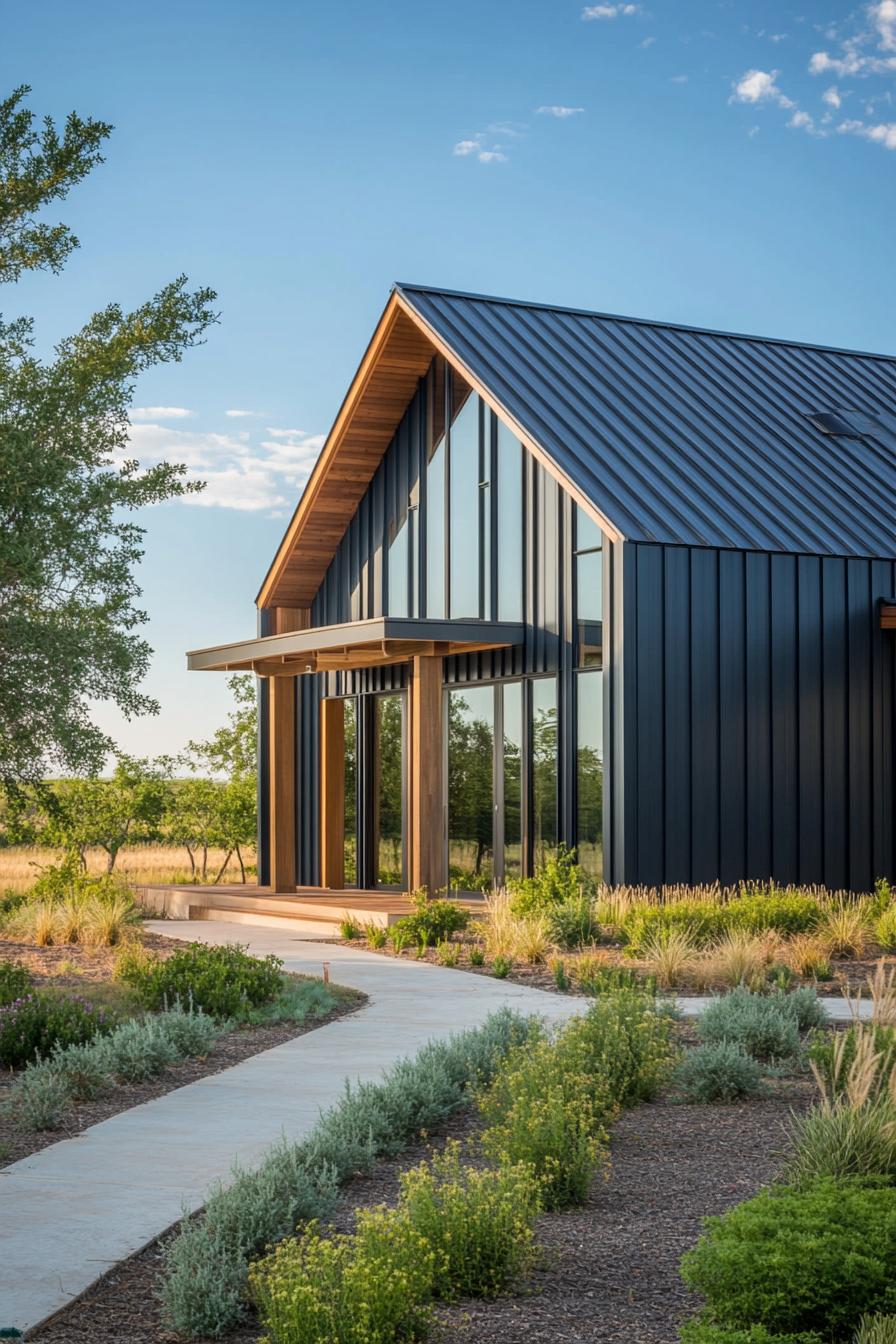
<point x="208" y="811"/>
<point x="68" y="541"/>
<point x="110" y="813"/>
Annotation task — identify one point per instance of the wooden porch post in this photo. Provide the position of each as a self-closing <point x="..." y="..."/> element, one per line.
<point x="282" y="761"/>
<point x="428" y="859"/>
<point x="283" y="783"/>
<point x="332" y="794"/>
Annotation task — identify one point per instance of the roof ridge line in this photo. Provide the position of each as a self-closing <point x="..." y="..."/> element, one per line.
<point x="408" y="289"/>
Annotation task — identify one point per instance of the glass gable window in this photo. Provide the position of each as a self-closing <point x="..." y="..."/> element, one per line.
<point x="590" y="772"/>
<point x="436" y="464"/>
<point x="399" y="552"/>
<point x="544" y="768"/>
<point x="510" y="526"/>
<point x="589" y="590"/>
<point x="464" y="504"/>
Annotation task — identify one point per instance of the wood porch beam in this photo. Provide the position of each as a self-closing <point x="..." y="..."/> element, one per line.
<point x="332" y="793"/>
<point x="428" y="858"/>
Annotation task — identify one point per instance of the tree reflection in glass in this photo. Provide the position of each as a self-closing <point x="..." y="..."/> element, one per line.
<point x="544" y="768"/>
<point x="389" y="790"/>
<point x="470" y="787"/>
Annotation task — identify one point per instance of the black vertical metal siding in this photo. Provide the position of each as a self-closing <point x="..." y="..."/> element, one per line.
<point x="751" y="718"/>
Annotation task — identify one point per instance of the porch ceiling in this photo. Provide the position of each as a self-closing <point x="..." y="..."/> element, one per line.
<point x="356" y="644"/>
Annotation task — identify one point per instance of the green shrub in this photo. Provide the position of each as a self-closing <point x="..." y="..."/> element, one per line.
<point x="573" y="923"/>
<point x="448" y="954"/>
<point x="560" y="881"/>
<point x="15" y="981"/>
<point x="700" y="921"/>
<point x="477" y="956"/>
<point x="784" y="910"/>
<point x="298" y="999"/>
<point x="765" y="1028"/>
<point x="400" y="937"/>
<point x="539" y="1114"/>
<point x="204" y="1282"/>
<point x="595" y="977"/>
<point x="699" y="1331"/>
<point x="501" y="968"/>
<point x="623" y="1043"/>
<point x="33" y="1025"/>
<point x="723" y="1071"/>
<point x="222" y="981"/>
<point x="39" y="1099"/>
<point x="876" y="1330"/>
<point x="804" y="1005"/>
<point x="558" y="970"/>
<point x="841" y="1141"/>
<point x="349" y="929"/>
<point x="371" y="1287"/>
<point x="885" y="930"/>
<point x="433" y="921"/>
<point x="479" y="1223"/>
<point x="799" y="1259"/>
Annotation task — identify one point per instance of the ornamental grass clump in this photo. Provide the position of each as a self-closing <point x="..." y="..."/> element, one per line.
<point x="876" y="1330"/>
<point x="765" y="1028"/>
<point x="370" y="1287"/>
<point x="722" y="1072"/>
<point x="573" y="923"/>
<point x="669" y="954"/>
<point x="845" y="927"/>
<point x="478" y="1221"/>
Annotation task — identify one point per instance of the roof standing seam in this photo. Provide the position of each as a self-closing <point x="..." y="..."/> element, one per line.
<point x="687" y="436"/>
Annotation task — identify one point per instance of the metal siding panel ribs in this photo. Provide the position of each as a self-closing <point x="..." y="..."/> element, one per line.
<point x="685" y="436"/>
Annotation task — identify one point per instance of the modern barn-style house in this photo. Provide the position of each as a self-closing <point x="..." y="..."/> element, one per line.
<point x="559" y="577"/>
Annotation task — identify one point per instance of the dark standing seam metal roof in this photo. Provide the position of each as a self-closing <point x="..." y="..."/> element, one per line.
<point x="681" y="435"/>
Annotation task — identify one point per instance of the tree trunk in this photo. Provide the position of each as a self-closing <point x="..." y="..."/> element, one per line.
<point x="204" y="872"/>
<point x="220" y="873"/>
<point x="242" y="865"/>
<point x="189" y="849"/>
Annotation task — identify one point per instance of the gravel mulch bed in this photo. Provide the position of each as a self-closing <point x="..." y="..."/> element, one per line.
<point x="606" y="1274"/>
<point x="71" y="966"/>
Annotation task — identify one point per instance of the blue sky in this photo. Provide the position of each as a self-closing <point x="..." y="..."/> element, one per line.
<point x="724" y="164"/>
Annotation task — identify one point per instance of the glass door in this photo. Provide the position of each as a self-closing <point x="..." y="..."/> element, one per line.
<point x="471" y="804"/>
<point x="389" y="820"/>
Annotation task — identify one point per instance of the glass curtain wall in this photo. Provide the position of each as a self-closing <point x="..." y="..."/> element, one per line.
<point x="590" y="772"/>
<point x="350" y="784"/>
<point x="471" y="738"/>
<point x="544" y="768"/>
<point x="464" y="503"/>
<point x="513" y="739"/>
<point x="389" y="791"/>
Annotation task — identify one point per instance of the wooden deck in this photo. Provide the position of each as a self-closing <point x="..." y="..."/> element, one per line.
<point x="253" y="904"/>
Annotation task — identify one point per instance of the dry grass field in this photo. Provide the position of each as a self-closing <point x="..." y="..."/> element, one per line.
<point x="20" y="865"/>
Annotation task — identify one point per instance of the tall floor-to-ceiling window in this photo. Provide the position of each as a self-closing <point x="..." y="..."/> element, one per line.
<point x="590" y="772"/>
<point x="350" y="790"/>
<point x="544" y="768"/>
<point x="471" y="739"/>
<point x="464" y="503"/>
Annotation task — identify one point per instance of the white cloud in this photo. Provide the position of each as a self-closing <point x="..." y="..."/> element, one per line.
<point x="883" y="15"/>
<point x="884" y="133"/>
<point x="831" y="96"/>
<point x="648" y="42"/>
<point x="239" y="473"/>
<point x="801" y="121"/>
<point x="679" y="79"/>
<point x="491" y="156"/>
<point x="850" y="63"/>
<point x="557" y="110"/>
<point x="753" y="132"/>
<point x="759" y="86"/>
<point x="777" y="37"/>
<point x="160" y="413"/>
<point x="609" y="11"/>
<point x="464" y="147"/>
<point x="243" y="415"/>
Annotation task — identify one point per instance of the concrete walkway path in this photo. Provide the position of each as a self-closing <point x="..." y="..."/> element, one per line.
<point x="72" y="1211"/>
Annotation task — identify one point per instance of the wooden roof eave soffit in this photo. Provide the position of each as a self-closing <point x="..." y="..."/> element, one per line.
<point x="399" y="354"/>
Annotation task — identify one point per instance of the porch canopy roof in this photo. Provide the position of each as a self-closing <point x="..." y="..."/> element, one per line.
<point x="355" y="644"/>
